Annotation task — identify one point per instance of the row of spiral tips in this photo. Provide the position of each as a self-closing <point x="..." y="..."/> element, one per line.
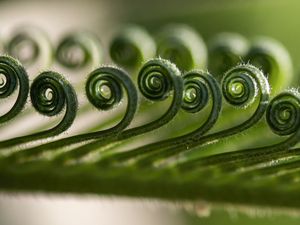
<point x="178" y="115"/>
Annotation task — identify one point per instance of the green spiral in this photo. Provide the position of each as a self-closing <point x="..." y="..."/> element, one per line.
<point x="78" y="50"/>
<point x="157" y="80"/>
<point x="50" y="93"/>
<point x="154" y="81"/>
<point x="31" y="46"/>
<point x="12" y="75"/>
<point x="283" y="113"/>
<point x="199" y="88"/>
<point x="183" y="46"/>
<point x="225" y="51"/>
<point x="241" y="85"/>
<point x="104" y="89"/>
<point x="239" y="89"/>
<point x="196" y="93"/>
<point x="131" y="47"/>
<point x="275" y="61"/>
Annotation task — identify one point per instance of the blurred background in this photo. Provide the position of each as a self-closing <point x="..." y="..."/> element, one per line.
<point x="277" y="19"/>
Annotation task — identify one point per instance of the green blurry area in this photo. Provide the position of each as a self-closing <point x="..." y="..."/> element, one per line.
<point x="277" y="19"/>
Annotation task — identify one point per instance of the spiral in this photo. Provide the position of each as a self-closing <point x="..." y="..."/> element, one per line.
<point x="50" y="93"/>
<point x="12" y="75"/>
<point x="78" y="50"/>
<point x="240" y="85"/>
<point x="283" y="113"/>
<point x="183" y="46"/>
<point x="274" y="60"/>
<point x="31" y="46"/>
<point x="131" y="47"/>
<point x="196" y="93"/>
<point x="47" y="94"/>
<point x="225" y="51"/>
<point x="154" y="79"/>
<point x="205" y="89"/>
<point x="104" y="90"/>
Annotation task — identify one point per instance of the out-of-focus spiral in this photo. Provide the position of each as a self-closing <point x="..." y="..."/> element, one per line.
<point x="78" y="50"/>
<point x="183" y="46"/>
<point x="225" y="51"/>
<point x="31" y="46"/>
<point x="275" y="61"/>
<point x="12" y="75"/>
<point x="131" y="47"/>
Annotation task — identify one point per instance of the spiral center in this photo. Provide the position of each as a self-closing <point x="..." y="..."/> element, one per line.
<point x="25" y="50"/>
<point x="105" y="91"/>
<point x="48" y="94"/>
<point x="3" y="80"/>
<point x="285" y="115"/>
<point x="236" y="89"/>
<point x="75" y="55"/>
<point x="190" y="95"/>
<point x="155" y="82"/>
